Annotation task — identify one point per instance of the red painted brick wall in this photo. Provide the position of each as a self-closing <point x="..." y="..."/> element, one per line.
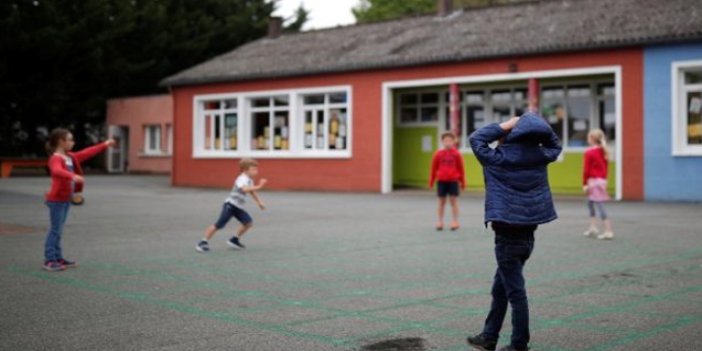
<point x="363" y="171"/>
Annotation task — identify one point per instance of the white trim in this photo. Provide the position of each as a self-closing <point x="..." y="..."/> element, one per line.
<point x="679" y="147"/>
<point x="387" y="112"/>
<point x="294" y="108"/>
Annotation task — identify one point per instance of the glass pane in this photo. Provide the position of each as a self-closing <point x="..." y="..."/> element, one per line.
<point x="281" y="131"/>
<point x="408" y="115"/>
<point x="501" y="113"/>
<point x="552" y="93"/>
<point x="520" y="94"/>
<point x="554" y="113"/>
<point x="337" y="129"/>
<point x="319" y="129"/>
<point x="606" y="90"/>
<point x="261" y="102"/>
<point x="260" y="132"/>
<point x="694" y="118"/>
<point x="579" y="113"/>
<point x="218" y="132"/>
<point x="501" y="96"/>
<point x="693" y="77"/>
<point x="608" y="118"/>
<point x="230" y="104"/>
<point x="309" y="129"/>
<point x="430" y="98"/>
<point x="282" y="100"/>
<point x="408" y="99"/>
<point x="230" y="131"/>
<point x="208" y="132"/>
<point x="153" y="137"/>
<point x="475" y="119"/>
<point x="314" y="99"/>
<point x="429" y="114"/>
<point x="211" y="105"/>
<point x="337" y="98"/>
<point x="474" y="98"/>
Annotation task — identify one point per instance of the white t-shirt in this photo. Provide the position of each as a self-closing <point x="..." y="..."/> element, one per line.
<point x="237" y="197"/>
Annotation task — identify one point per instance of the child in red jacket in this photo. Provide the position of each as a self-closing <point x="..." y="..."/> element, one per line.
<point x="447" y="168"/>
<point x="66" y="180"/>
<point x="595" y="182"/>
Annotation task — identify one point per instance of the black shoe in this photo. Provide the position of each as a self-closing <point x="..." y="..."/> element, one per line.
<point x="510" y="348"/>
<point x="235" y="243"/>
<point x="479" y="342"/>
<point x="67" y="263"/>
<point x="203" y="246"/>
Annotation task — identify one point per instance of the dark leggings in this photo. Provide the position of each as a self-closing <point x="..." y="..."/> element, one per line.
<point x="600" y="207"/>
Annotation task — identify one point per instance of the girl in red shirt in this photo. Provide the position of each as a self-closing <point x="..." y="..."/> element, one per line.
<point x="595" y="182"/>
<point x="66" y="180"/>
<point x="447" y="168"/>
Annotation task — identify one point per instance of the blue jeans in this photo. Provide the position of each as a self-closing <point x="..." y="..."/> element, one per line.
<point x="58" y="213"/>
<point x="509" y="287"/>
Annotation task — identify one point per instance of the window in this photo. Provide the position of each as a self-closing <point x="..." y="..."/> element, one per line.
<point x="270" y="123"/>
<point x="573" y="110"/>
<point x="418" y="108"/>
<point x="325" y="121"/>
<point x="152" y="139"/>
<point x="687" y="109"/>
<point x="302" y="123"/>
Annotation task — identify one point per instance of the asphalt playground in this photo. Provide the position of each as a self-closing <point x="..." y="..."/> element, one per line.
<point x="333" y="271"/>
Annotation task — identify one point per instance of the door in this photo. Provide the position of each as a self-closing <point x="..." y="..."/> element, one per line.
<point x="117" y="155"/>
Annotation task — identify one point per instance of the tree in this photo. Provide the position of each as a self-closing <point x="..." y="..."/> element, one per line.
<point x="302" y="15"/>
<point x="380" y="10"/>
<point x="61" y="59"/>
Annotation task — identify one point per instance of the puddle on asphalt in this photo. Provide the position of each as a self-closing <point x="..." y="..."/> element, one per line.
<point x="402" y="344"/>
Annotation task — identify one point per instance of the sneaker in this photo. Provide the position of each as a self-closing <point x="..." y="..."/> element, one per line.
<point x="479" y="342"/>
<point x="606" y="236"/>
<point x="510" y="348"/>
<point x="235" y="243"/>
<point x="203" y="246"/>
<point x="67" y="263"/>
<point x="53" y="266"/>
<point x="590" y="232"/>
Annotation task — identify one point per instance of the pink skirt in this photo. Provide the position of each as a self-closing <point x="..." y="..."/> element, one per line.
<point x="597" y="190"/>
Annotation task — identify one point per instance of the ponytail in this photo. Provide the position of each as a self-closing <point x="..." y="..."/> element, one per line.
<point x="54" y="138"/>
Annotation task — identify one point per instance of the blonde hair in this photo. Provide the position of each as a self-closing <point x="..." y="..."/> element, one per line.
<point x="247" y="163"/>
<point x="598" y="136"/>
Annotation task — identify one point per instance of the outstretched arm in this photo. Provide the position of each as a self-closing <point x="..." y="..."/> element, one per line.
<point x="252" y="189"/>
<point x="92" y="151"/>
<point x="254" y="195"/>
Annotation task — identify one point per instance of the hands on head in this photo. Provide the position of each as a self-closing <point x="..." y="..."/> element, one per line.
<point x="509" y="124"/>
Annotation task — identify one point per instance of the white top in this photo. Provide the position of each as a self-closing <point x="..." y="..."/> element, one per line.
<point x="237" y="197"/>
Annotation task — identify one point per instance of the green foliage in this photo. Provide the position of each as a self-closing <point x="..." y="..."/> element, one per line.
<point x="380" y="10"/>
<point x="61" y="59"/>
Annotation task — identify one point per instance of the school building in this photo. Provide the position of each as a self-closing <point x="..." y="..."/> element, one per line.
<point x="361" y="108"/>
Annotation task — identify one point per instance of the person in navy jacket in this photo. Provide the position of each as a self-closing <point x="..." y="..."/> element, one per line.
<point x="517" y="199"/>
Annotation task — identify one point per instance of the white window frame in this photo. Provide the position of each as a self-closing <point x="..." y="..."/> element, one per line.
<point x="679" y="90"/>
<point x="169" y="134"/>
<point x="296" y="126"/>
<point x="326" y="107"/>
<point x="148" y="150"/>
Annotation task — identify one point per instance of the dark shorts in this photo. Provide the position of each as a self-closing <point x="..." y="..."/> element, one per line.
<point x="229" y="211"/>
<point x="444" y="189"/>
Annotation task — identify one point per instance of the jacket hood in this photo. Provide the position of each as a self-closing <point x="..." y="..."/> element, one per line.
<point x="531" y="129"/>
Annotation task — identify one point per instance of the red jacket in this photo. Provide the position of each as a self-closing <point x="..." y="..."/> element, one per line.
<point x="447" y="166"/>
<point x="62" y="178"/>
<point x="594" y="164"/>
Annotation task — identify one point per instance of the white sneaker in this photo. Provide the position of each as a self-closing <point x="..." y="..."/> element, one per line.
<point x="590" y="232"/>
<point x="606" y="236"/>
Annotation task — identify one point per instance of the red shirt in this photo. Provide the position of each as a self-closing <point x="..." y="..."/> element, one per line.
<point x="447" y="166"/>
<point x="62" y="178"/>
<point x="594" y="164"/>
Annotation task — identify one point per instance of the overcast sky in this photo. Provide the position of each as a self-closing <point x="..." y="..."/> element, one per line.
<point x="323" y="13"/>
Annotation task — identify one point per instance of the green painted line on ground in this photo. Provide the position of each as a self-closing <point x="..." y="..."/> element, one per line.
<point x="636" y="336"/>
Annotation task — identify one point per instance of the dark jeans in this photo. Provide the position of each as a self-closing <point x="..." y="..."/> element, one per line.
<point x="58" y="213"/>
<point x="511" y="252"/>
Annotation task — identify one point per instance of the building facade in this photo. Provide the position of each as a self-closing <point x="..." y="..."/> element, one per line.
<point x="365" y="112"/>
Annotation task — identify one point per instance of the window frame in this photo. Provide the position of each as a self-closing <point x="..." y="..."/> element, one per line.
<point x="679" y="90"/>
<point x="419" y="105"/>
<point x="148" y="150"/>
<point x="295" y="124"/>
